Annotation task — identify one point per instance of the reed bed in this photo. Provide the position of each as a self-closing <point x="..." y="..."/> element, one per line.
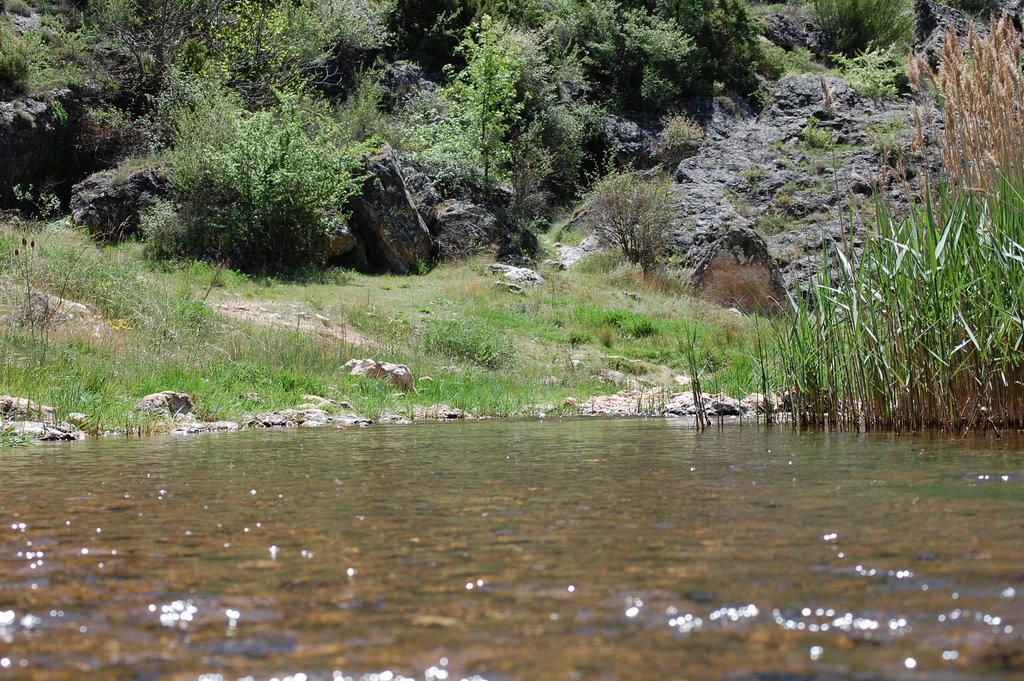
<point x="924" y="330"/>
<point x="924" y="327"/>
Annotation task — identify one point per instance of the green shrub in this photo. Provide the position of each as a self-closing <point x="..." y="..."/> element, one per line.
<point x="861" y="25"/>
<point x="468" y="341"/>
<point x="633" y="215"/>
<point x="875" y="74"/>
<point x="259" y="191"/>
<point x="14" y="58"/>
<point x="680" y="138"/>
<point x="815" y="137"/>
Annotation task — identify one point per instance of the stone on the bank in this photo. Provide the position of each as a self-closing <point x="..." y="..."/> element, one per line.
<point x="36" y="430"/>
<point x="168" y="403"/>
<point x="398" y="374"/>
<point x="438" y="412"/>
<point x="23" y="409"/>
<point x="517" y="275"/>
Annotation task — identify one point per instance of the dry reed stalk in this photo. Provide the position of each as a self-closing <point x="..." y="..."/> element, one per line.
<point x="982" y="94"/>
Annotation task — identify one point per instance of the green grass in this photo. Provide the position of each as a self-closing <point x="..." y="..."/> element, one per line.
<point x="486" y="351"/>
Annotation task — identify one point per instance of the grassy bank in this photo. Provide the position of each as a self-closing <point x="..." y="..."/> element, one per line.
<point x="113" y="327"/>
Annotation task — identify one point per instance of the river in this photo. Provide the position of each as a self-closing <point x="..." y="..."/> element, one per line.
<point x="514" y="550"/>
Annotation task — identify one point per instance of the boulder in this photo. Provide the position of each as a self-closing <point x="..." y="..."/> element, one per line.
<point x="385" y="219"/>
<point x="567" y="256"/>
<point x="30" y="133"/>
<point x="341" y="241"/>
<point x="736" y="270"/>
<point x="517" y="275"/>
<point x="633" y="143"/>
<point x="398" y="374"/>
<point x="401" y="79"/>
<point x="167" y="403"/>
<point x="110" y="203"/>
<point x="22" y="409"/>
<point x="462" y="229"/>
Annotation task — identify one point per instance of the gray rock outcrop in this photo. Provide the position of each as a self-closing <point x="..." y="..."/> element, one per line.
<point x="385" y="218"/>
<point x="792" y="174"/>
<point x="30" y="131"/>
<point x="110" y="203"/>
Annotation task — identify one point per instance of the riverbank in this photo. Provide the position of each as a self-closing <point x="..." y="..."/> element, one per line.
<point x="94" y="330"/>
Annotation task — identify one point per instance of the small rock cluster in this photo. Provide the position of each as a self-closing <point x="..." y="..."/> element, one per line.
<point x="31" y="420"/>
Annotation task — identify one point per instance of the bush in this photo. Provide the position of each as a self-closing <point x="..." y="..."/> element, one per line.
<point x="680" y="138"/>
<point x="14" y="58"/>
<point x="875" y="74"/>
<point x="632" y="214"/>
<point x="861" y="25"/>
<point x="255" y="190"/>
<point x="469" y="341"/>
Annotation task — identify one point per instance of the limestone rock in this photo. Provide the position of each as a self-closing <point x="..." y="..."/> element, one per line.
<point x="22" y="409"/>
<point x="398" y="374"/>
<point x="168" y="403"/>
<point x="633" y="143"/>
<point x="109" y="203"/>
<point x="517" y="275"/>
<point x="385" y="219"/>
<point x="30" y="131"/>
<point x="737" y="270"/>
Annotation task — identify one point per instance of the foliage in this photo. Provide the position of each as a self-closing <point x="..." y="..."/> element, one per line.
<point x="14" y="58"/>
<point x="680" y="138"/>
<point x="258" y="190"/>
<point x="469" y="341"/>
<point x="260" y="46"/>
<point x="633" y="215"/>
<point x="862" y="25"/>
<point x="815" y="137"/>
<point x="482" y="98"/>
<point x="632" y="55"/>
<point x="253" y="45"/>
<point x="875" y="74"/>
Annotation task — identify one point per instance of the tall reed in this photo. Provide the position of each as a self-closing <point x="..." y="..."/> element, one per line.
<point x="925" y="329"/>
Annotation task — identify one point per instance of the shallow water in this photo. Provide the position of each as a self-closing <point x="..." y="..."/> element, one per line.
<point x="577" y="549"/>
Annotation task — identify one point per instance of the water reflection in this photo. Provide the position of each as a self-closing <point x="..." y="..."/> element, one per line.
<point x="502" y="550"/>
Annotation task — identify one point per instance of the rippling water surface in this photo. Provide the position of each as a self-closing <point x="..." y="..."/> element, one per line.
<point x="579" y="549"/>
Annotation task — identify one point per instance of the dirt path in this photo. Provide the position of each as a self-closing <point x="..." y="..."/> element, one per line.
<point x="290" y="316"/>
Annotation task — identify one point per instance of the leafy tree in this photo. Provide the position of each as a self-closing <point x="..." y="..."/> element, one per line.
<point x="482" y="98"/>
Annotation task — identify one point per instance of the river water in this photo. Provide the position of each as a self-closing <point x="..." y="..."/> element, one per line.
<point x="504" y="550"/>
